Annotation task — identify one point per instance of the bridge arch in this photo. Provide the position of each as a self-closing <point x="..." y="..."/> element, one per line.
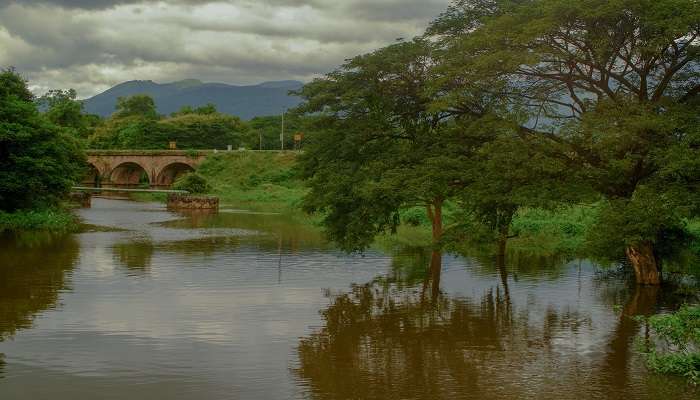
<point x="129" y="168"/>
<point x="169" y="173"/>
<point x="129" y="174"/>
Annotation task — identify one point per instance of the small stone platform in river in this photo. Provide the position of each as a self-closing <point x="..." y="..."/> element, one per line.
<point x="83" y="199"/>
<point x="178" y="201"/>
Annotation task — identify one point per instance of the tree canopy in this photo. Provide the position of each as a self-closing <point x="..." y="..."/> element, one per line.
<point x="63" y="109"/>
<point x="609" y="87"/>
<point x="140" y="105"/>
<point x="136" y="125"/>
<point x="382" y="149"/>
<point x="39" y="161"/>
<point x="503" y="104"/>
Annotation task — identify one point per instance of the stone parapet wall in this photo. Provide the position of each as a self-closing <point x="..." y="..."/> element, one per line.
<point x="192" y="202"/>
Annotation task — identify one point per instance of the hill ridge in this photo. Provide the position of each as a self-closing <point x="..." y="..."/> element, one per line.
<point x="244" y="101"/>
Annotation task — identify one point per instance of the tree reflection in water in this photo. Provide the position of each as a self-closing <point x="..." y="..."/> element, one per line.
<point x="32" y="274"/>
<point x="389" y="339"/>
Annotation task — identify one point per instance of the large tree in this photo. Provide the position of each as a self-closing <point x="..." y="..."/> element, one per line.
<point x="139" y="105"/>
<point x="63" y="109"/>
<point x="609" y="87"/>
<point x="38" y="161"/>
<point x="383" y="149"/>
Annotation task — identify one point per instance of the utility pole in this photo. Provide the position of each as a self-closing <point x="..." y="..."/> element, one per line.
<point x="282" y="134"/>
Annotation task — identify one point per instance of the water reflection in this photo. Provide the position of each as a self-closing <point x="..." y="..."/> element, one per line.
<point x="136" y="255"/>
<point x="32" y="275"/>
<point x="204" y="306"/>
<point x="395" y="339"/>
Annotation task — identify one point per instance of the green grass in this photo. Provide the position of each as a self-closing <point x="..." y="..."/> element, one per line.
<point x="553" y="232"/>
<point x="259" y="181"/>
<point x="52" y="220"/>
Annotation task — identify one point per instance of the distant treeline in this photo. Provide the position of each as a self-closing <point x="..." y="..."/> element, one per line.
<point x="135" y="124"/>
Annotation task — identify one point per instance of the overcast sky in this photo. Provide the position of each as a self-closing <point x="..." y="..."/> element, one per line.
<point x="90" y="45"/>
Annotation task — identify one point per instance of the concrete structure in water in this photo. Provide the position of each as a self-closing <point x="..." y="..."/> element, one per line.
<point x="132" y="168"/>
<point x="192" y="202"/>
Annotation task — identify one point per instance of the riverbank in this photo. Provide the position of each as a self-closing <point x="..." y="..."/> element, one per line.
<point x="59" y="220"/>
<point x="255" y="180"/>
<point x="267" y="181"/>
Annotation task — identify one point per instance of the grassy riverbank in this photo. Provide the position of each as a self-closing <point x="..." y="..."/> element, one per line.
<point x="51" y="220"/>
<point x="266" y="181"/>
<point x="254" y="180"/>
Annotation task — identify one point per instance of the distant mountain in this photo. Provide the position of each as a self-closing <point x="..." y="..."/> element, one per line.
<point x="246" y="102"/>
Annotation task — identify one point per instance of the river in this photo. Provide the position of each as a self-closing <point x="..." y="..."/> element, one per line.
<point x="239" y="305"/>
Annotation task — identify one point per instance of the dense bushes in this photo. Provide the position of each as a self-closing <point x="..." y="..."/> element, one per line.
<point x="193" y="183"/>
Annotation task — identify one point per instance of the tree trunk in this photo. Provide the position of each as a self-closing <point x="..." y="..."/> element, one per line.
<point x="502" y="242"/>
<point x="435" y="216"/>
<point x="644" y="262"/>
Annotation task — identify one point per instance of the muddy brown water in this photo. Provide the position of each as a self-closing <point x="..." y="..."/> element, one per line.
<point x="257" y="306"/>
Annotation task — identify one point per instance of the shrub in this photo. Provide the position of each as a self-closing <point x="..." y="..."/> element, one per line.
<point x="677" y="350"/>
<point x="193" y="183"/>
<point x="38" y="220"/>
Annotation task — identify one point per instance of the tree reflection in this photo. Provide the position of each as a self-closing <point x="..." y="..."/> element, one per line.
<point x="386" y="340"/>
<point x="32" y="274"/>
<point x="401" y="336"/>
<point x="642" y="301"/>
<point x="136" y="256"/>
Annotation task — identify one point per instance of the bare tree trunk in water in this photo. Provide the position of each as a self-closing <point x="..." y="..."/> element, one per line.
<point x="435" y="272"/>
<point x="644" y="262"/>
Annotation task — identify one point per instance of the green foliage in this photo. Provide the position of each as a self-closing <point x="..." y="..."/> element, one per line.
<point x="140" y="105"/>
<point x="53" y="220"/>
<point x="201" y="130"/>
<point x="136" y="126"/>
<point x="264" y="132"/>
<point x="65" y="111"/>
<point x="193" y="183"/>
<point x="647" y="218"/>
<point x="678" y="352"/>
<point x="39" y="161"/>
<point x="563" y="230"/>
<point x="608" y="90"/>
<point x="128" y="133"/>
<point x="254" y="180"/>
<point x="382" y="149"/>
<point x="203" y="110"/>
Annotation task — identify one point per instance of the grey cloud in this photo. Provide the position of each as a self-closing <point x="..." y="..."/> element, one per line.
<point x="106" y="4"/>
<point x="91" y="45"/>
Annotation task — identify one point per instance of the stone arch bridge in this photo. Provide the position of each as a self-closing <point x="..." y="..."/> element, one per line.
<point x="133" y="168"/>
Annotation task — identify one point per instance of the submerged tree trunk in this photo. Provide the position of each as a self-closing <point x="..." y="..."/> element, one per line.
<point x="644" y="262"/>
